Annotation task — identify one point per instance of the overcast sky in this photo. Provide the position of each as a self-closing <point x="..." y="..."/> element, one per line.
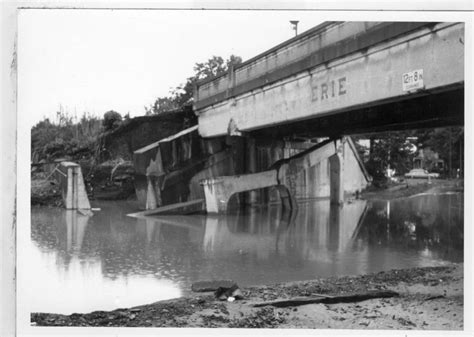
<point x="100" y="60"/>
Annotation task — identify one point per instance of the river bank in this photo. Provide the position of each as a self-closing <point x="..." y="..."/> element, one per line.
<point x="429" y="299"/>
<point x="46" y="192"/>
<point x="110" y="180"/>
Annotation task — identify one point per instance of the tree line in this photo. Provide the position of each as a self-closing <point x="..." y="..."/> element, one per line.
<point x="397" y="150"/>
<point x="183" y="94"/>
<point x="78" y="138"/>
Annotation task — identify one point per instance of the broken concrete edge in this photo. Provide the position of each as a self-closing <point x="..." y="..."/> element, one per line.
<point x="182" y="208"/>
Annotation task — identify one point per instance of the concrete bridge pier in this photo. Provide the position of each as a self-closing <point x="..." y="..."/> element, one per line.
<point x="152" y="194"/>
<point x="336" y="175"/>
<point x="251" y="167"/>
<point x="73" y="190"/>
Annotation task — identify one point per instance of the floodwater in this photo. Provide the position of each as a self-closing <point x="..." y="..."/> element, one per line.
<point x="106" y="261"/>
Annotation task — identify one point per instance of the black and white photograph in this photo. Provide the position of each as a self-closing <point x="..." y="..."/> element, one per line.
<point x="228" y="168"/>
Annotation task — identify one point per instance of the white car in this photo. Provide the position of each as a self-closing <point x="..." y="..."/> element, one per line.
<point x="421" y="173"/>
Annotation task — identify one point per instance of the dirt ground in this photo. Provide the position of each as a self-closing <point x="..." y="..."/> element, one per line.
<point x="429" y="299"/>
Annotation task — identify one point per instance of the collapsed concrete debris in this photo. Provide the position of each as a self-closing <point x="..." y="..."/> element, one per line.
<point x="186" y="167"/>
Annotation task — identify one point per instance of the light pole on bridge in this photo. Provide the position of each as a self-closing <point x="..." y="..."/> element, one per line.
<point x="295" y="26"/>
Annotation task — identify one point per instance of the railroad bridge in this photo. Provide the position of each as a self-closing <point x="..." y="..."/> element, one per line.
<point x="336" y="79"/>
<point x="339" y="78"/>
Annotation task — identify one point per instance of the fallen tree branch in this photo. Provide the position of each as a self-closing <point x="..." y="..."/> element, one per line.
<point x="329" y="300"/>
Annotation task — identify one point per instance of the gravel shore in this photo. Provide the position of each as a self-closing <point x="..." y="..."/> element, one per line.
<point x="429" y="299"/>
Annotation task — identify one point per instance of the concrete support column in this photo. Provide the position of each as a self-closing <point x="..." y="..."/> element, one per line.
<point x="215" y="199"/>
<point x="82" y="201"/>
<point x="151" y="202"/>
<point x="287" y="150"/>
<point x="69" y="192"/>
<point x="75" y="197"/>
<point x="74" y="191"/>
<point x="238" y="149"/>
<point x="251" y="167"/>
<point x="342" y="156"/>
<point x="237" y="146"/>
<point x="336" y="167"/>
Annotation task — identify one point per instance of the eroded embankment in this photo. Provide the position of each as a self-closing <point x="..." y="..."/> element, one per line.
<point x="429" y="298"/>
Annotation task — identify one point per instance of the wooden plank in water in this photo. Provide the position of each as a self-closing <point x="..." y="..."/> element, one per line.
<point x="187" y="207"/>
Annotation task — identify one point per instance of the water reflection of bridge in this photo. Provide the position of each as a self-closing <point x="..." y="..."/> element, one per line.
<point x="256" y="231"/>
<point x="356" y="237"/>
<point x="262" y="231"/>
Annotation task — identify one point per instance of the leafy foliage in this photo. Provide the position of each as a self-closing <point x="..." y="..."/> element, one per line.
<point x="446" y="142"/>
<point x="398" y="149"/>
<point x="183" y="94"/>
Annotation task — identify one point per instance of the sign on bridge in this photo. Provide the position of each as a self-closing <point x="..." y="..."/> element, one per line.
<point x="413" y="80"/>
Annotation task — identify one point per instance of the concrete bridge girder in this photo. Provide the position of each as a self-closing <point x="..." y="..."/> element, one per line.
<point x="366" y="77"/>
<point x="218" y="191"/>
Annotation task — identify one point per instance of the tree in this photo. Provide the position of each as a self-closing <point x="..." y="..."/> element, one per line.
<point x="112" y="120"/>
<point x="442" y="140"/>
<point x="183" y="94"/>
<point x="162" y="104"/>
<point x="395" y="149"/>
<point x="388" y="150"/>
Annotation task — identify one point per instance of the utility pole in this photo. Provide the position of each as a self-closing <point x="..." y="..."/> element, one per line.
<point x="450" y="154"/>
<point x="295" y="26"/>
<point x="461" y="166"/>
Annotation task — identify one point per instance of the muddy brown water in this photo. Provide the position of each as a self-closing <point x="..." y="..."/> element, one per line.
<point x="108" y="260"/>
